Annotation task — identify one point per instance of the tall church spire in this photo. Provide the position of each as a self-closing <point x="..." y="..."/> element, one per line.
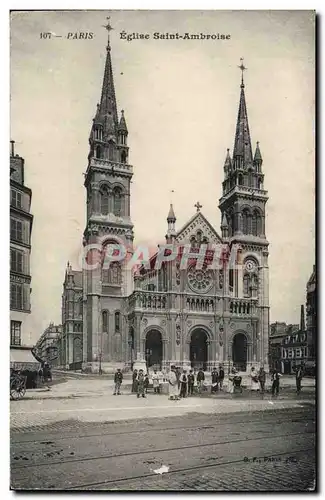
<point x="107" y="110"/>
<point x="242" y="154"/>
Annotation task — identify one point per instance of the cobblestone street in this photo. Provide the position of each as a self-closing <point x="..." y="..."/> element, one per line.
<point x="73" y="439"/>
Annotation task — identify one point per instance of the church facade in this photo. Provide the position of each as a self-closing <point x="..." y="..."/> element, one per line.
<point x="161" y="315"/>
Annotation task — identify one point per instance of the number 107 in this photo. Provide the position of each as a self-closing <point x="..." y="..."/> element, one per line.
<point x="45" y="35"/>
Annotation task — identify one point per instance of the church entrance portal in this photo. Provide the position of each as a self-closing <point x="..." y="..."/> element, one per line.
<point x="239" y="351"/>
<point x="199" y="349"/>
<point x="154" y="349"/>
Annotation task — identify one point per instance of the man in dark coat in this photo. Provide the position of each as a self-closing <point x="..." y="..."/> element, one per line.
<point x="118" y="379"/>
<point x="299" y="375"/>
<point x="134" y="381"/>
<point x="214" y="380"/>
<point x="183" y="380"/>
<point x="275" y="382"/>
<point x="190" y="381"/>
<point x="262" y="379"/>
<point x="200" y="379"/>
<point x="221" y="376"/>
<point x="141" y="387"/>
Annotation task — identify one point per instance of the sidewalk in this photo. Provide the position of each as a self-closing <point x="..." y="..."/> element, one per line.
<point x="93" y="401"/>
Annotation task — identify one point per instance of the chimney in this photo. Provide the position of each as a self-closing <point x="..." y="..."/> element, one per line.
<point x="12" y="153"/>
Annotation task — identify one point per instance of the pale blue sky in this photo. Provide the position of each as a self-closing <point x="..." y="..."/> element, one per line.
<point x="180" y="100"/>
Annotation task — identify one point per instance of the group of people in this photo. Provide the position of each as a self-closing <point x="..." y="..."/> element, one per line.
<point x="185" y="383"/>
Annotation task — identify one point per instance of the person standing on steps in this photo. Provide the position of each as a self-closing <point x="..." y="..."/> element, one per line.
<point x="262" y="379"/>
<point x="214" y="380"/>
<point x="118" y="379"/>
<point x="173" y="384"/>
<point x="191" y="379"/>
<point x="141" y="384"/>
<point x="155" y="382"/>
<point x="221" y="376"/>
<point x="134" y="380"/>
<point x="200" y="379"/>
<point x="183" y="384"/>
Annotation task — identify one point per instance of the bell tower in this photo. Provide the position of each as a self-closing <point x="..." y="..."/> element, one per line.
<point x="108" y="221"/>
<point x="243" y="207"/>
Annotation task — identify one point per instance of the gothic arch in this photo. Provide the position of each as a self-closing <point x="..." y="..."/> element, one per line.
<point x="154" y="327"/>
<point x="198" y="327"/>
<point x="240" y="330"/>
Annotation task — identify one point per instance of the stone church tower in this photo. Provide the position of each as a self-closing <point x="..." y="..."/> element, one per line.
<point x="107" y="182"/>
<point x="242" y="207"/>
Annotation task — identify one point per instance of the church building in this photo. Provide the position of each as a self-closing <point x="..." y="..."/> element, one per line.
<point x="155" y="317"/>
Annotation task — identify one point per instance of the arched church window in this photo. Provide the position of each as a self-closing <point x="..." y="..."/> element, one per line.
<point x="111" y="151"/>
<point x="245" y="221"/>
<point x="240" y="180"/>
<point x="254" y="223"/>
<point x="246" y="285"/>
<point x="117" y="321"/>
<point x="123" y="157"/>
<point x="117" y="201"/>
<point x="105" y="321"/>
<point x="99" y="152"/>
<point x="104" y="201"/>
<point x="112" y="275"/>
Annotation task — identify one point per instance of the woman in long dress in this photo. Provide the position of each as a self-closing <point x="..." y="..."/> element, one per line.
<point x="255" y="386"/>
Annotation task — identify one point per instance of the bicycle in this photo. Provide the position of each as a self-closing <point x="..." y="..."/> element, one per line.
<point x="17" y="386"/>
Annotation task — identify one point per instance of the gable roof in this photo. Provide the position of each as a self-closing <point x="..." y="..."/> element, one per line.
<point x="198" y="221"/>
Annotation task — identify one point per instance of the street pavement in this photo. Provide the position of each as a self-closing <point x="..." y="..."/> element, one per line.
<point x="80" y="436"/>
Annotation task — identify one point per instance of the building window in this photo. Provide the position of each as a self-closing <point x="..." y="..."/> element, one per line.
<point x="15" y="333"/>
<point x="16" y="296"/>
<point x="16" y="260"/>
<point x="117" y="201"/>
<point x="112" y="275"/>
<point x="16" y="197"/>
<point x="246" y="285"/>
<point x="123" y="157"/>
<point x="98" y="152"/>
<point x="104" y="201"/>
<point x="290" y="353"/>
<point x="117" y="321"/>
<point x="105" y="321"/>
<point x="16" y="230"/>
<point x="245" y="221"/>
<point x="298" y="353"/>
<point x="80" y="311"/>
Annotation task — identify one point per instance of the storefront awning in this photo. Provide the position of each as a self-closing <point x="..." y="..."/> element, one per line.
<point x="22" y="359"/>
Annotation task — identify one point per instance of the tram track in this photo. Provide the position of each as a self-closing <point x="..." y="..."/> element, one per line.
<point x="180" y="470"/>
<point x="261" y="421"/>
<point x="156" y="451"/>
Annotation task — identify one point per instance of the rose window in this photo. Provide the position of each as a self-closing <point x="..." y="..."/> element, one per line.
<point x="200" y="280"/>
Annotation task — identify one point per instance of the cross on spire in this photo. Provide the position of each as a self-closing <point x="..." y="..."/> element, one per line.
<point x="108" y="27"/>
<point x="242" y="68"/>
<point x="198" y="206"/>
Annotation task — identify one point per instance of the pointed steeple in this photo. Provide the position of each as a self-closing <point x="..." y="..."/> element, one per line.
<point x="122" y="125"/>
<point x="257" y="155"/>
<point x="107" y="111"/>
<point x="242" y="154"/>
<point x="227" y="165"/>
<point x="171" y="219"/>
<point x="171" y="215"/>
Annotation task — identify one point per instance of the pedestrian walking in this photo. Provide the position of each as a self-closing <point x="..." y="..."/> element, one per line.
<point x="275" y="382"/>
<point x="183" y="384"/>
<point x="221" y="376"/>
<point x="262" y="379"/>
<point x="155" y="382"/>
<point x="200" y="379"/>
<point x="190" y="383"/>
<point x="118" y="379"/>
<point x="141" y="384"/>
<point x="299" y="375"/>
<point x="134" y="381"/>
<point x="173" y="383"/>
<point x="214" y="380"/>
<point x="254" y="380"/>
